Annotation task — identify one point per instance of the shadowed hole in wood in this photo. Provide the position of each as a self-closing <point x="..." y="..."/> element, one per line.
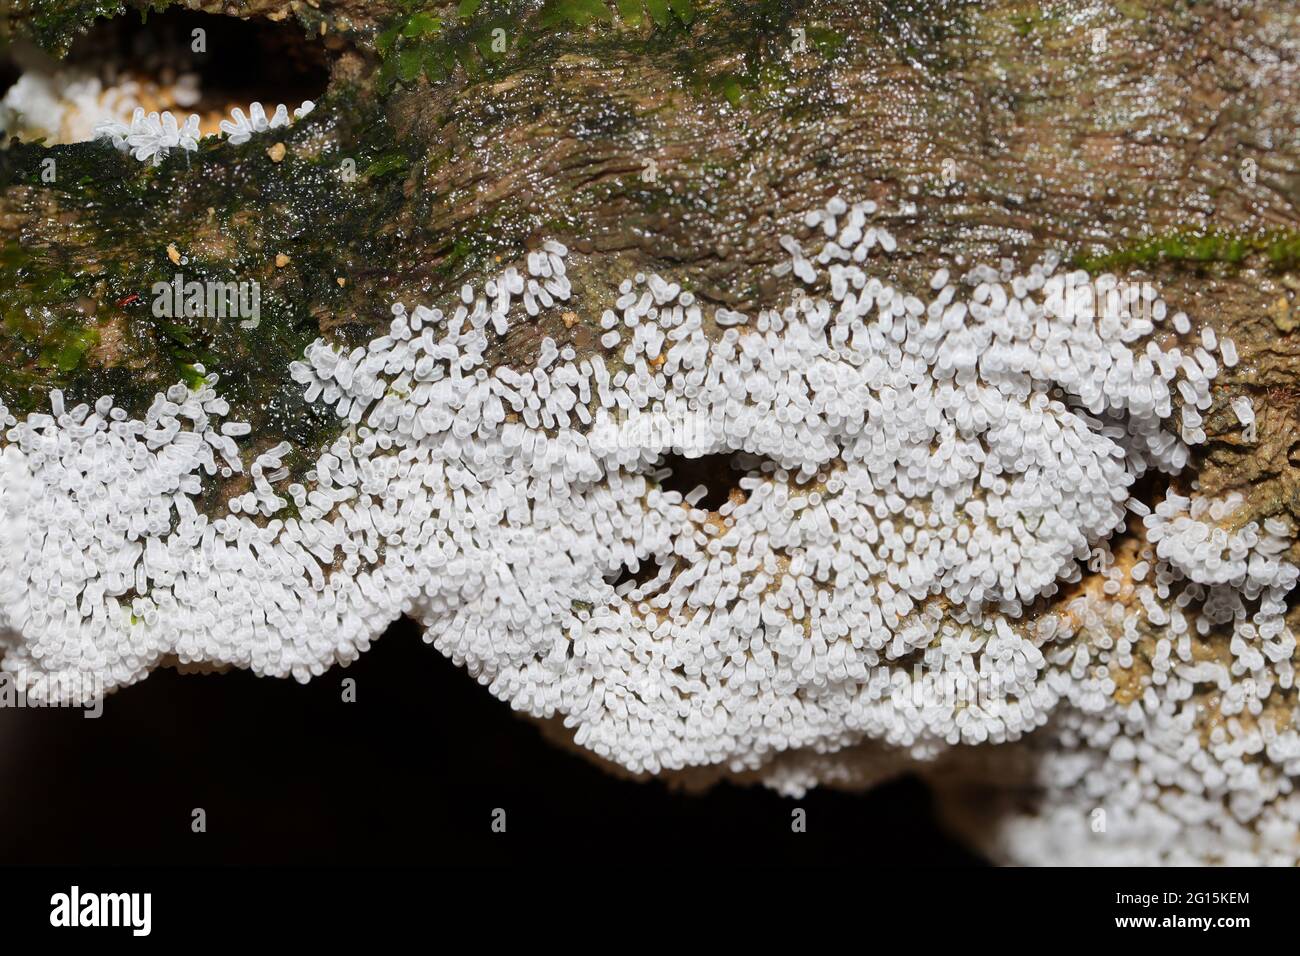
<point x="240" y="61"/>
<point x="720" y="475"/>
<point x="9" y="73"/>
<point x="179" y="60"/>
<point x="643" y="572"/>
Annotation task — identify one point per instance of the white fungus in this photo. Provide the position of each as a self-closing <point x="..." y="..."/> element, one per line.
<point x="918" y="477"/>
<point x="150" y="137"/>
<point x="1245" y="412"/>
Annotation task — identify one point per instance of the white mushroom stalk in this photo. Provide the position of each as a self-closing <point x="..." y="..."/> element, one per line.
<point x="920" y="475"/>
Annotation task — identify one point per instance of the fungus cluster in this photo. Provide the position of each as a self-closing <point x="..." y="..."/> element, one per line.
<point x="69" y="105"/>
<point x="922" y="478"/>
<point x="1178" y="740"/>
<point x="63" y="104"/>
<point x="151" y="137"/>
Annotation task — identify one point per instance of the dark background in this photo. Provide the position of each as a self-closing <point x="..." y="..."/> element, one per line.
<point x="409" y="773"/>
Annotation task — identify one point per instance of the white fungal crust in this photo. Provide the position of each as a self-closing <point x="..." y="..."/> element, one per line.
<point x="70" y="105"/>
<point x="917" y="475"/>
<point x="1187" y="533"/>
<point x="1196" y="763"/>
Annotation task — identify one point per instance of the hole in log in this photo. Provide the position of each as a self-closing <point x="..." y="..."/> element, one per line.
<point x="9" y="73"/>
<point x="181" y="61"/>
<point x="720" y="475"/>
<point x="645" y="570"/>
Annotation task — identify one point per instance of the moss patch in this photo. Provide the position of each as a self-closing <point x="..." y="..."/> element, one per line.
<point x="1280" y="248"/>
<point x="54" y="24"/>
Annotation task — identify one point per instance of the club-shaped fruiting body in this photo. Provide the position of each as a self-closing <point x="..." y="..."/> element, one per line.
<point x="151" y="137"/>
<point x="923" y="476"/>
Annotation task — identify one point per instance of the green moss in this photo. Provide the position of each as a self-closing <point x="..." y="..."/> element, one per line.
<point x="828" y="42"/>
<point x="578" y="13"/>
<point x="1281" y="248"/>
<point x="386" y="164"/>
<point x="46" y="341"/>
<point x="475" y="40"/>
<point x="497" y="37"/>
<point x="483" y="34"/>
<point x="67" y="347"/>
<point x="422" y="24"/>
<point x="581" y="13"/>
<point x="54" y="24"/>
<point x="759" y="33"/>
<point x="1034" y="23"/>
